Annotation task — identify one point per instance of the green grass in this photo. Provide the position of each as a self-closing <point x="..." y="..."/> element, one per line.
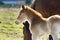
<point x="8" y="29"/>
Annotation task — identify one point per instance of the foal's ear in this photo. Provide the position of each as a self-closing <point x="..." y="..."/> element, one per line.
<point x="23" y="6"/>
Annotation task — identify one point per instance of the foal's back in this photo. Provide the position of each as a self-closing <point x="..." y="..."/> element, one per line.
<point x="54" y="22"/>
<point x="54" y="18"/>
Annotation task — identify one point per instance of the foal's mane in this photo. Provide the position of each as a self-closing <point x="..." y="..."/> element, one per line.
<point x="35" y="12"/>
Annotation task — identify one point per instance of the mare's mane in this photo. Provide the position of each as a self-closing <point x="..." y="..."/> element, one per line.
<point x="32" y="10"/>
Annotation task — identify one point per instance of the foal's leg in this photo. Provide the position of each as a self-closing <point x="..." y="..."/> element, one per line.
<point x="34" y="33"/>
<point x="55" y="36"/>
<point x="34" y="37"/>
<point x="54" y="32"/>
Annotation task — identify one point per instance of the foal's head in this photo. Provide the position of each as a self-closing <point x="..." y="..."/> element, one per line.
<point x="28" y="13"/>
<point x="21" y="15"/>
<point x="25" y="13"/>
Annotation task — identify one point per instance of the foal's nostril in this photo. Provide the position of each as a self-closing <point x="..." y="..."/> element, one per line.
<point x="17" y="22"/>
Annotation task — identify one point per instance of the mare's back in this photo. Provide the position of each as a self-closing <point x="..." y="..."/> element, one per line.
<point x="47" y="7"/>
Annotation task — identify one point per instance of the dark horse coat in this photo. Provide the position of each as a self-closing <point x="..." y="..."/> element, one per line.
<point x="26" y="32"/>
<point x="46" y="8"/>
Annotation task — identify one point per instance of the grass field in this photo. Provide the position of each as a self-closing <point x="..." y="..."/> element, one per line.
<point x="8" y="29"/>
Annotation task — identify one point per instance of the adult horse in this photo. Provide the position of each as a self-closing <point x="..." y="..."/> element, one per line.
<point x="38" y="25"/>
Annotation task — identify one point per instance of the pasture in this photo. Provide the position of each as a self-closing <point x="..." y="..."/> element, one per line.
<point x="8" y="29"/>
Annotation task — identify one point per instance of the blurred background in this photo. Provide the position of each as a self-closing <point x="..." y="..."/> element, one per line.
<point x="14" y="3"/>
<point x="9" y="10"/>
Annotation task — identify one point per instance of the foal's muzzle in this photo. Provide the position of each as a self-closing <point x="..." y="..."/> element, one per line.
<point x="17" y="21"/>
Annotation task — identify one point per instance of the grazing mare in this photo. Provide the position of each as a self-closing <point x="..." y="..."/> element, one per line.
<point x="38" y="24"/>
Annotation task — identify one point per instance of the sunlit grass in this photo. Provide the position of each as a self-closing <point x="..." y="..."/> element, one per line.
<point x="8" y="29"/>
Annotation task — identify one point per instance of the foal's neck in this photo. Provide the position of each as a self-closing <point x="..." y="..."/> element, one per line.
<point x="35" y="17"/>
<point x="34" y="11"/>
<point x="32" y="14"/>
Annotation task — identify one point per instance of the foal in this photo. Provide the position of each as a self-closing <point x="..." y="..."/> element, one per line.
<point x="35" y="19"/>
<point x="38" y="24"/>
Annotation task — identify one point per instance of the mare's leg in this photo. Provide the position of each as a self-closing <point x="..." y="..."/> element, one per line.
<point x="26" y="31"/>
